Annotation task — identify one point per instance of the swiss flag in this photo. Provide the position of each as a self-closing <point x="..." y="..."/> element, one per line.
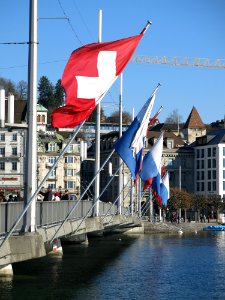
<point x="89" y="73"/>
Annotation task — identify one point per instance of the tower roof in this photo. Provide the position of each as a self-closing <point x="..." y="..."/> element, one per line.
<point x="194" y="120"/>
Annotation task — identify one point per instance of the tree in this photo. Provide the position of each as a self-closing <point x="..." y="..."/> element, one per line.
<point x="9" y="87"/>
<point x="59" y="94"/>
<point x="174" y="117"/>
<point x="22" y="90"/>
<point x="46" y="92"/>
<point x="92" y="117"/>
<point x="179" y="199"/>
<point x="115" y="118"/>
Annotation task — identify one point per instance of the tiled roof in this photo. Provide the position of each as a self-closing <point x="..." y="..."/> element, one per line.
<point x="194" y="120"/>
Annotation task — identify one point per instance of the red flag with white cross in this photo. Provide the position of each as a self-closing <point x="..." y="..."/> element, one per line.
<point x="88" y="75"/>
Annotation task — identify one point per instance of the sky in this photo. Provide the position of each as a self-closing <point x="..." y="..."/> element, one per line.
<point x="182" y="28"/>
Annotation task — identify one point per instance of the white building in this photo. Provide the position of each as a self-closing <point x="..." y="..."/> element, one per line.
<point x="210" y="164"/>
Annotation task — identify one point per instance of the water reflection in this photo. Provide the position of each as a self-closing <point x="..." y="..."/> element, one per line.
<point x="191" y="266"/>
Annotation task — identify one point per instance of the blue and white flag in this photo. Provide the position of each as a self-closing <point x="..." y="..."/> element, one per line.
<point x="165" y="189"/>
<point x="152" y="163"/>
<point x="130" y="146"/>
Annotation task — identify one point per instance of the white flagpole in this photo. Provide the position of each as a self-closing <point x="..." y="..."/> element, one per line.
<point x="97" y="133"/>
<point x="120" y="134"/>
<point x="31" y="143"/>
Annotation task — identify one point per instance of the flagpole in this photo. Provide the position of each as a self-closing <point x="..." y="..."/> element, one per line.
<point x="120" y="134"/>
<point x="97" y="133"/>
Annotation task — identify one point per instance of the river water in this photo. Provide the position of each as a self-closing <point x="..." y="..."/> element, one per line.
<point x="158" y="266"/>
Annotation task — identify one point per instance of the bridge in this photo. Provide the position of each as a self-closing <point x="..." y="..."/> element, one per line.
<point x="56" y="223"/>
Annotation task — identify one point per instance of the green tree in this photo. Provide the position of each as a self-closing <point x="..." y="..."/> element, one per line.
<point x="46" y="92"/>
<point x="215" y="204"/>
<point x="59" y="94"/>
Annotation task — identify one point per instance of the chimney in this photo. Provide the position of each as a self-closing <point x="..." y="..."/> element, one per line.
<point x="2" y="108"/>
<point x="11" y="109"/>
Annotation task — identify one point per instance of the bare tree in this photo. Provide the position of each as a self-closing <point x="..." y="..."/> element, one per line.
<point x="174" y="117"/>
<point x="22" y="89"/>
<point x="115" y="117"/>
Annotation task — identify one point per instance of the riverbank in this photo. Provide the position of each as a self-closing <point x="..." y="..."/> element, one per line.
<point x="168" y="227"/>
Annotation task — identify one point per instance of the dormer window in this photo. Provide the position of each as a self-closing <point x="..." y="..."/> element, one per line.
<point x="170" y="144"/>
<point x="51" y="147"/>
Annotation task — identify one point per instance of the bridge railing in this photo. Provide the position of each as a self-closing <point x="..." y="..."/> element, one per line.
<point x="48" y="213"/>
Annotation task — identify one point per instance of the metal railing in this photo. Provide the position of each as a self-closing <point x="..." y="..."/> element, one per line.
<point x="47" y="213"/>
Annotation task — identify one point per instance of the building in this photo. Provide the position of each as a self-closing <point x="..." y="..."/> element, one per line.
<point x="210" y="163"/>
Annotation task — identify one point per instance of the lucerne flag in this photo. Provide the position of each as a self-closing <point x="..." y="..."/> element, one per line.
<point x="152" y="163"/>
<point x="165" y="189"/>
<point x="131" y="144"/>
<point x="89" y="73"/>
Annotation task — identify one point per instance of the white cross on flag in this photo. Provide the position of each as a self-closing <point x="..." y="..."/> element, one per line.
<point x="89" y="73"/>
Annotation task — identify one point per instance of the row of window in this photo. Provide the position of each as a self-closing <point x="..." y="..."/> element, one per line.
<point x="67" y="159"/>
<point x="68" y="185"/>
<point x="211" y="174"/>
<point x="67" y="172"/>
<point x="14" y="166"/>
<point x="14" y="151"/>
<point x="211" y="186"/>
<point x="211" y="163"/>
<point x="211" y="152"/>
<point x="2" y="137"/>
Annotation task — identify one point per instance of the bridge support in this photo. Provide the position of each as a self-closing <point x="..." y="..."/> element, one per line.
<point x="6" y="271"/>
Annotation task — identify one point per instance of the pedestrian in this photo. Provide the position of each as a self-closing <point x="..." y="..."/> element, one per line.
<point x="201" y="217"/>
<point x="56" y="197"/>
<point x="47" y="195"/>
<point x="204" y="218"/>
<point x="65" y="195"/>
<point x="208" y="217"/>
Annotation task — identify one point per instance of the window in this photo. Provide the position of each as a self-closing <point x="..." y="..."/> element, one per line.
<point x="224" y="162"/>
<point x="209" y="152"/>
<point x="69" y="172"/>
<point x="38" y="118"/>
<point x="69" y="184"/>
<point x="209" y="164"/>
<point x="202" y="175"/>
<point x="214" y="163"/>
<point x="52" y="159"/>
<point x="170" y="144"/>
<point x="2" y="165"/>
<point x="209" y="174"/>
<point x="14" y="137"/>
<point x="2" y="136"/>
<point x="223" y="174"/>
<point x="223" y="151"/>
<point x="198" y="177"/>
<point x="43" y="119"/>
<point x="70" y="148"/>
<point x="198" y="164"/>
<point x="202" y="164"/>
<point x="209" y="186"/>
<point x="2" y="151"/>
<point x="69" y="159"/>
<point x="213" y="151"/>
<point x="51" y="147"/>
<point x="214" y="186"/>
<point x="14" y="151"/>
<point x="198" y="187"/>
<point x="198" y="153"/>
<point x="202" y="186"/>
<point x="224" y="185"/>
<point x="53" y="173"/>
<point x="214" y="174"/>
<point x="52" y="185"/>
<point x="14" y="166"/>
<point x="202" y="153"/>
